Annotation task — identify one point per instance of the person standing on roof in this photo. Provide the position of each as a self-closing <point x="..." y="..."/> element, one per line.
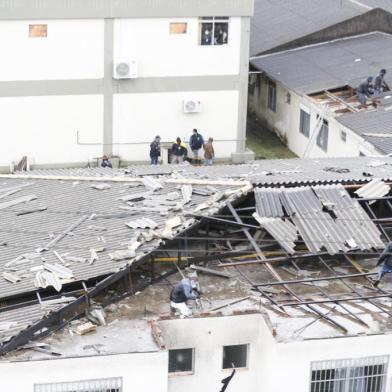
<point x="196" y="142"/>
<point x="209" y="152"/>
<point x="183" y="291"/>
<point x="380" y="85"/>
<point x="155" y="150"/>
<point x="365" y="90"/>
<point x="385" y="263"/>
<point x="178" y="152"/>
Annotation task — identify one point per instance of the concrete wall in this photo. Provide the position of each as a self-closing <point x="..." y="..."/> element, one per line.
<point x="159" y="53"/>
<point x="208" y="336"/>
<point x="139" y="117"/>
<point x="286" y="119"/>
<point x="142" y="372"/>
<point x="54" y="86"/>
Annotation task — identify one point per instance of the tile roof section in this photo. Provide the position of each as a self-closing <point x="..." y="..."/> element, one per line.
<point x="329" y="65"/>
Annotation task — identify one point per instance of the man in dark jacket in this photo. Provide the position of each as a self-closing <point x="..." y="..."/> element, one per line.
<point x="155" y="150"/>
<point x="385" y="263"/>
<point x="181" y="293"/>
<point x="178" y="152"/>
<point x="196" y="142"/>
<point x="365" y="90"/>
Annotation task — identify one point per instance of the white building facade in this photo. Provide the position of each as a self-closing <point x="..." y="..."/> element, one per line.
<point x="64" y="101"/>
<point x="350" y="363"/>
<point x="280" y="109"/>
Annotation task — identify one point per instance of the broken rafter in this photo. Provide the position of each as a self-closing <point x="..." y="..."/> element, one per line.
<point x="342" y="101"/>
<point x="327" y="278"/>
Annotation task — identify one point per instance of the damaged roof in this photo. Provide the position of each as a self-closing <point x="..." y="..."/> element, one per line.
<point x="329" y="65"/>
<point x="374" y="126"/>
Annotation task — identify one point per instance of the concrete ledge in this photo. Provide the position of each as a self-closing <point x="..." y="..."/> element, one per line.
<point x="240" y="157"/>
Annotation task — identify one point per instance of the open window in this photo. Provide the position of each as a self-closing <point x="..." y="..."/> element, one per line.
<point x="235" y="356"/>
<point x="181" y="360"/>
<point x="214" y="30"/>
<point x="322" y="137"/>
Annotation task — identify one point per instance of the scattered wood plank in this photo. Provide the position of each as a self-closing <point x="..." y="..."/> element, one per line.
<point x="229" y="304"/>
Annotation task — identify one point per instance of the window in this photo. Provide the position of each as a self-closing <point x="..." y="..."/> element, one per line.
<point x="361" y="154"/>
<point x="343" y="136"/>
<point x="350" y="375"/>
<point x="38" y="30"/>
<point x="178" y="28"/>
<point x="271" y="96"/>
<point x="181" y="360"/>
<point x="322" y="137"/>
<point x="304" y="123"/>
<point x="99" y="385"/>
<point x="214" y="30"/>
<point x="236" y="356"/>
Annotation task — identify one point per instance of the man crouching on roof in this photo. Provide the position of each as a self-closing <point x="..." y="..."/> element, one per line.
<point x="183" y="291"/>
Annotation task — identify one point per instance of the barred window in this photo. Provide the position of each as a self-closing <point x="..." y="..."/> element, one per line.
<point x="350" y="375"/>
<point x="304" y="123"/>
<point x="98" y="385"/>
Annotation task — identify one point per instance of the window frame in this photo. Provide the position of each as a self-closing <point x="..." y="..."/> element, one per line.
<point x="347" y="370"/>
<point x="213" y="20"/>
<point x="183" y="372"/>
<point x="271" y="98"/>
<point x="306" y="111"/>
<point x="320" y="137"/>
<point x="108" y="383"/>
<point x="247" y="345"/>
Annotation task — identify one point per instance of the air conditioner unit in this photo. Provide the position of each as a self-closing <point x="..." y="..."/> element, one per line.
<point x="192" y="106"/>
<point x="125" y="69"/>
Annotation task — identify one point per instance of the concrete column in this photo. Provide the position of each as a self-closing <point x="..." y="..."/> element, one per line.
<point x="108" y="88"/>
<point x="243" y="84"/>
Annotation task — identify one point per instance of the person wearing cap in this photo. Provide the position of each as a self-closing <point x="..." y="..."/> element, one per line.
<point x="183" y="291"/>
<point x="380" y="85"/>
<point x="365" y="90"/>
<point x="155" y="150"/>
<point x="105" y="162"/>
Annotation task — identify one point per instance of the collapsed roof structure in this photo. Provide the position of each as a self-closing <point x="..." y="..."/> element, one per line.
<point x="67" y="237"/>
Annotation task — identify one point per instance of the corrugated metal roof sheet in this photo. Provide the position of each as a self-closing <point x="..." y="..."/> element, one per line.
<point x="268" y="202"/>
<point x="329" y="65"/>
<point x="277" y="22"/>
<point x="375" y="188"/>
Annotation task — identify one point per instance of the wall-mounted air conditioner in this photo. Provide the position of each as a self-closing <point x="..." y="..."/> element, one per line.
<point x="192" y="106"/>
<point x="126" y="69"/>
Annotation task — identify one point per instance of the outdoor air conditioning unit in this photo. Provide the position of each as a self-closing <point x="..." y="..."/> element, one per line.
<point x="192" y="106"/>
<point x="125" y="69"/>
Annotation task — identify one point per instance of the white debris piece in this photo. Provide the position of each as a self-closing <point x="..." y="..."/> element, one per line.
<point x="142" y="223"/>
<point x="375" y="188"/>
<point x="186" y="191"/>
<point x="13" y="278"/>
<point x="167" y="232"/>
<point x="46" y="278"/>
<point x="60" y="270"/>
<point x="76" y="259"/>
<point x="134" y="245"/>
<point x="14" y="202"/>
<point x="101" y="187"/>
<point x="122" y="255"/>
<point x="151" y="183"/>
<point x="93" y="256"/>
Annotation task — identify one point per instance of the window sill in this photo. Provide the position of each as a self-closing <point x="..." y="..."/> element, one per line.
<point x="181" y="374"/>
<point x="240" y="369"/>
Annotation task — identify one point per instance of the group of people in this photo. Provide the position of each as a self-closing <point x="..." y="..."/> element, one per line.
<point x="370" y="89"/>
<point x="179" y="151"/>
